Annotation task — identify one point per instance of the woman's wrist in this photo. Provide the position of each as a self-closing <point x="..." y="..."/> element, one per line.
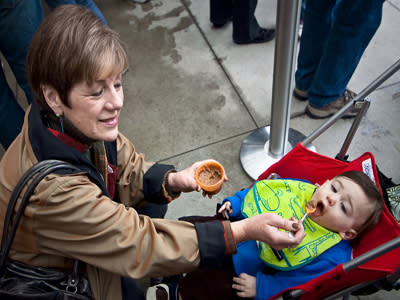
<point x="238" y="230"/>
<point x="169" y="192"/>
<point x="171" y="184"/>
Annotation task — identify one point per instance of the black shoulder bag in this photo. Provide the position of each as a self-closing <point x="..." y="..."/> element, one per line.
<point x="21" y="281"/>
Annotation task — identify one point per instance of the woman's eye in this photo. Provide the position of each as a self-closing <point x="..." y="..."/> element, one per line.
<point x="98" y="93"/>
<point x="117" y="85"/>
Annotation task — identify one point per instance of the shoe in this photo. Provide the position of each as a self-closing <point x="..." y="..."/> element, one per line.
<point x="301" y="95"/>
<point x="163" y="291"/>
<point x="300" y="33"/>
<point x="139" y="1"/>
<point x="265" y="36"/>
<point x="220" y="25"/>
<point x="158" y="292"/>
<point x="333" y="107"/>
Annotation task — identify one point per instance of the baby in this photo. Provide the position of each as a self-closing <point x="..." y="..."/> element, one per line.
<point x="344" y="208"/>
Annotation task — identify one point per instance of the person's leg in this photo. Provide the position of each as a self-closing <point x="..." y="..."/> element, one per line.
<point x="88" y="3"/>
<point x="354" y="25"/>
<point x="245" y="25"/>
<point x="316" y="26"/>
<point x="208" y="283"/>
<point x="130" y="289"/>
<point x="19" y="22"/>
<point x="54" y="3"/>
<point x="220" y="12"/>
<point x="246" y="29"/>
<point x="11" y="113"/>
<point x="93" y="7"/>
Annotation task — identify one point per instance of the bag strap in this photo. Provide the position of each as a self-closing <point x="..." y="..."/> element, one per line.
<point x="40" y="169"/>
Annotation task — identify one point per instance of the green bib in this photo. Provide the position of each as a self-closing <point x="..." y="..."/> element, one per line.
<point x="288" y="198"/>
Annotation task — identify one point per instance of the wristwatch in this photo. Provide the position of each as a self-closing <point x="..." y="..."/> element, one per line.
<point x="167" y="193"/>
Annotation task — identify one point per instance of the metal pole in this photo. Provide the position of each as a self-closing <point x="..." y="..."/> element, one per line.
<point x="287" y="28"/>
<point x="353" y="129"/>
<point x="267" y="145"/>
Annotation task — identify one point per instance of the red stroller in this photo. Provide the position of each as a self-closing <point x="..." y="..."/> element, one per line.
<point x="376" y="263"/>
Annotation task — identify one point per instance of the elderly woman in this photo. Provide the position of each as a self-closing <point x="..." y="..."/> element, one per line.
<point x="75" y="66"/>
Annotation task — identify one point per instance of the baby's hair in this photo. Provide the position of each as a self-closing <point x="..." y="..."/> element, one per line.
<point x="374" y="196"/>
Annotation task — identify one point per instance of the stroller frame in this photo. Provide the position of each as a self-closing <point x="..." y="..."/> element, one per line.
<point x="388" y="283"/>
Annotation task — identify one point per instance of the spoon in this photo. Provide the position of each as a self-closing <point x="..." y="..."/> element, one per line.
<point x="308" y="211"/>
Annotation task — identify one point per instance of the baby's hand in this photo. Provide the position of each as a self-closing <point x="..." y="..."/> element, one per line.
<point x="246" y="285"/>
<point x="226" y="209"/>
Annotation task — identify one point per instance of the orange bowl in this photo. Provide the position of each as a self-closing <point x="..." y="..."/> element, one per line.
<point x="210" y="176"/>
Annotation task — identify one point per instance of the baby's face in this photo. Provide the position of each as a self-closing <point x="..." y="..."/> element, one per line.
<point x="342" y="206"/>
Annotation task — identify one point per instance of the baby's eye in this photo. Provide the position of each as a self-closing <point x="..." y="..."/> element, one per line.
<point x="333" y="188"/>
<point x="343" y="207"/>
<point x="99" y="93"/>
<point x="117" y="85"/>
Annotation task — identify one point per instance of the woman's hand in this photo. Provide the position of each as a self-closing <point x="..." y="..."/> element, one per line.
<point x="266" y="228"/>
<point x="246" y="285"/>
<point x="183" y="181"/>
<point x="226" y="209"/>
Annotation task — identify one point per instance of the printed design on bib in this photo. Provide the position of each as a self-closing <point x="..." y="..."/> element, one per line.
<point x="287" y="198"/>
<point x="312" y="247"/>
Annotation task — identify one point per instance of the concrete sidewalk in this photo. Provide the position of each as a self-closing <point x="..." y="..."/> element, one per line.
<point x="192" y="94"/>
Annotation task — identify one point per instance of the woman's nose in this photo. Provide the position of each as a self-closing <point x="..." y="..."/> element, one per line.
<point x="116" y="99"/>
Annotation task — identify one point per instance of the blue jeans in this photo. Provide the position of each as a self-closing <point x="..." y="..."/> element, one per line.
<point x="18" y="22"/>
<point x="335" y="35"/>
<point x="88" y="3"/>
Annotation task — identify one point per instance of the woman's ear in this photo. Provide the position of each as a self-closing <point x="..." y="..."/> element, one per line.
<point x="52" y="98"/>
<point x="348" y="234"/>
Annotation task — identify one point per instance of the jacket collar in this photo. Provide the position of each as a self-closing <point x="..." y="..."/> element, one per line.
<point x="46" y="145"/>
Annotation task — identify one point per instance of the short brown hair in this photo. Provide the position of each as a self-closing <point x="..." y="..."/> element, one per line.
<point x="374" y="196"/>
<point x="72" y="45"/>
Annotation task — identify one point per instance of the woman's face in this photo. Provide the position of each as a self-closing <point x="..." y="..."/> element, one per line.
<point x="95" y="109"/>
<point x="342" y="206"/>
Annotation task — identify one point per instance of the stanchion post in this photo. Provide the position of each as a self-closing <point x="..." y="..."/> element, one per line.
<point x="287" y="28"/>
<point x="265" y="146"/>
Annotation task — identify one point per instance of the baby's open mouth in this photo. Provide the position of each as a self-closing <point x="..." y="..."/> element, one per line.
<point x="314" y="208"/>
<point x="319" y="211"/>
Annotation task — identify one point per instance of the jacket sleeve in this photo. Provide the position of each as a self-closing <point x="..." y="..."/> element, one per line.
<point x="72" y="218"/>
<point x="152" y="183"/>
<point x="270" y="285"/>
<point x="215" y="240"/>
<point x="139" y="181"/>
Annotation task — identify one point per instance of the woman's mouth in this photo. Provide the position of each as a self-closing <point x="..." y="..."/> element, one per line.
<point x="111" y="122"/>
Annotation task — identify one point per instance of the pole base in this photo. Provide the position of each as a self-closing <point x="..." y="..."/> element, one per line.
<point x="254" y="152"/>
